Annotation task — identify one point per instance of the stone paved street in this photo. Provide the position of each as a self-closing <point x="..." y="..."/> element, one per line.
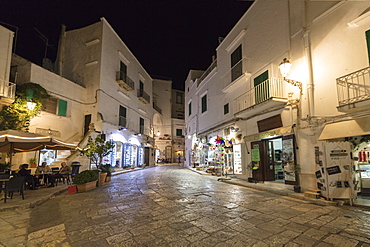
<point x="173" y="206"/>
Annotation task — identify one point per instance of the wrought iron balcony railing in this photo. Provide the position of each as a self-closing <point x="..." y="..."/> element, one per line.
<point x="209" y="70"/>
<point x="7" y="89"/>
<point x="143" y="96"/>
<point x="124" y="81"/>
<point x="354" y="87"/>
<point x="271" y="88"/>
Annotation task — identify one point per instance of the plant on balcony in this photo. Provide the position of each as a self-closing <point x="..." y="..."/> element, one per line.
<point x="96" y="149"/>
<point x="17" y="116"/>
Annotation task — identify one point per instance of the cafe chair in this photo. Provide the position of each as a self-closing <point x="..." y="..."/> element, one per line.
<point x="15" y="184"/>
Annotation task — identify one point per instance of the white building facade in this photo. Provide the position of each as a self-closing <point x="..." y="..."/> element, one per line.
<point x="303" y="128"/>
<point x="168" y="122"/>
<point x="118" y="88"/>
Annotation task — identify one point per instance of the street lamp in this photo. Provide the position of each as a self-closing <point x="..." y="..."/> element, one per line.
<point x="158" y="133"/>
<point x="284" y="68"/>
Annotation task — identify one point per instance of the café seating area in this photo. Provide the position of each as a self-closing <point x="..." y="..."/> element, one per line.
<point x="13" y="185"/>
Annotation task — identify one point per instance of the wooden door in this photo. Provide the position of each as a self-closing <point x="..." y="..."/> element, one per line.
<point x="257" y="153"/>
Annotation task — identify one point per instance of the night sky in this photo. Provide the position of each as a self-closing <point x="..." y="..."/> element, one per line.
<point x="168" y="37"/>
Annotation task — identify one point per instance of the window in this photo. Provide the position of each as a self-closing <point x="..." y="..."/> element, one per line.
<point x="178" y="132"/>
<point x="122" y="116"/>
<point x="261" y="87"/>
<point x="141" y="127"/>
<point x="204" y="103"/>
<point x="141" y="85"/>
<point x="189" y="108"/>
<point x="236" y="63"/>
<point x="123" y="71"/>
<point x="226" y="108"/>
<point x="54" y="106"/>
<point x="178" y="98"/>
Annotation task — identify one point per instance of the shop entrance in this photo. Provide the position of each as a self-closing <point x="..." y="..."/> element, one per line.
<point x="274" y="160"/>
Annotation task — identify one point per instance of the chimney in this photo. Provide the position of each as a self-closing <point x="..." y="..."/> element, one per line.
<point x="61" y="48"/>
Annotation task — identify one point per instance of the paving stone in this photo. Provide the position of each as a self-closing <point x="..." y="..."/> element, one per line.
<point x="338" y="240"/>
<point x="168" y="206"/>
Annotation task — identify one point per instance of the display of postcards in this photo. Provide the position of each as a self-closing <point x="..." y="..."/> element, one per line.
<point x="318" y="174"/>
<point x="339" y="184"/>
<point x="333" y="170"/>
<point x="320" y="163"/>
<point x="323" y="170"/>
<point x="320" y="186"/>
<point x="346" y="184"/>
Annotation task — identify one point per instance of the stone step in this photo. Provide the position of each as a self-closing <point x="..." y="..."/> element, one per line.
<point x="313" y="190"/>
<point x="314" y="195"/>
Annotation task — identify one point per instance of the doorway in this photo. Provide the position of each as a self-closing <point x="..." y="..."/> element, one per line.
<point x="273" y="159"/>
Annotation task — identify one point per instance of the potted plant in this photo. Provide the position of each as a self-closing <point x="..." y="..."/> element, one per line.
<point x="252" y="167"/>
<point x="4" y="166"/>
<point x="32" y="162"/>
<point x="85" y="180"/>
<point x="107" y="168"/>
<point x="96" y="149"/>
<point x="133" y="166"/>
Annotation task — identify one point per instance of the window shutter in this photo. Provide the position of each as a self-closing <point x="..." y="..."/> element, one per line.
<point x="204" y="103"/>
<point x="62" y="108"/>
<point x="368" y="43"/>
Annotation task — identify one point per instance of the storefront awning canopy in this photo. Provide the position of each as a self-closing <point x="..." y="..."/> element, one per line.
<point x="356" y="127"/>
<point x="269" y="133"/>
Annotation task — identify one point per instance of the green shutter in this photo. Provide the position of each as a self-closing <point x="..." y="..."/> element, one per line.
<point x="204" y="103"/>
<point x="262" y="92"/>
<point x="368" y="43"/>
<point x="62" y="108"/>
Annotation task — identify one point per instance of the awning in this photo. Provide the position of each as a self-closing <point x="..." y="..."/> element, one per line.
<point x="356" y="127"/>
<point x="269" y="133"/>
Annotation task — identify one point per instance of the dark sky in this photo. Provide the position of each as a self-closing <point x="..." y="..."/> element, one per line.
<point x="168" y="37"/>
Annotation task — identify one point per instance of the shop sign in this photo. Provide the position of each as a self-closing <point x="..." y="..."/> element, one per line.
<point x="256" y="154"/>
<point x="270" y="123"/>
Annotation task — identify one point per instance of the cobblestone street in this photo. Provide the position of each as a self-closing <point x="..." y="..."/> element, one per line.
<point x="173" y="206"/>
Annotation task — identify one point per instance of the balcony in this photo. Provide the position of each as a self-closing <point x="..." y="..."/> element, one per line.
<point x="270" y="94"/>
<point x="7" y="92"/>
<point x="156" y="107"/>
<point x="124" y="81"/>
<point x="206" y="73"/>
<point x="236" y="77"/>
<point x="143" y="96"/>
<point x="354" y="91"/>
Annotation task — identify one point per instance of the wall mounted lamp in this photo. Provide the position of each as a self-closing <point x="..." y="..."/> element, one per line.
<point x="284" y="68"/>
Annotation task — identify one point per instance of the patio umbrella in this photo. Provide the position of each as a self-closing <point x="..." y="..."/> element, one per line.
<point x="17" y="141"/>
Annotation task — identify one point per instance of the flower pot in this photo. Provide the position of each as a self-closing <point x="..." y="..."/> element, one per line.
<point x="33" y="165"/>
<point x="103" y="175"/>
<point x="108" y="178"/>
<point x="86" y="187"/>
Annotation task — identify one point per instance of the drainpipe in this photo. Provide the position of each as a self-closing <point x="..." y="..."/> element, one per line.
<point x="308" y="55"/>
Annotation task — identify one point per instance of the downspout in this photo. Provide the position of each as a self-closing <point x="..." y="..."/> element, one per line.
<point x="308" y="56"/>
